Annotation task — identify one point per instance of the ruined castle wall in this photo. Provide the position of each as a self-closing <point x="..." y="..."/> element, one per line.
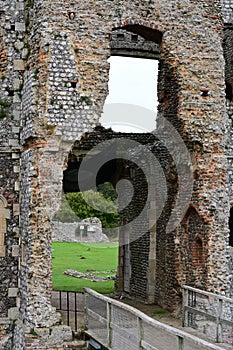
<point x="54" y="56"/>
<point x="11" y="69"/>
<point x="71" y="43"/>
<point x="228" y="54"/>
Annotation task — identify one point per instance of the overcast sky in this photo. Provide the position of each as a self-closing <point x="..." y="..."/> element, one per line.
<point x="132" y="99"/>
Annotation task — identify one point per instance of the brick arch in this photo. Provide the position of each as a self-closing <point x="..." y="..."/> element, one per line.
<point x="127" y="23"/>
<point x="195" y="245"/>
<point x="192" y="208"/>
<point x="146" y="31"/>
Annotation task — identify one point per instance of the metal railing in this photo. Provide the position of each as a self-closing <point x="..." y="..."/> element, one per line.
<point x="71" y="307"/>
<point x="208" y="312"/>
<point x="117" y="326"/>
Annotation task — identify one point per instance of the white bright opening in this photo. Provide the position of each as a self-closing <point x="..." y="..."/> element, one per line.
<point x="131" y="105"/>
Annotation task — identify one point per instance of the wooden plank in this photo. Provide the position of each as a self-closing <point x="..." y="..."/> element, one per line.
<point x="97" y="316"/>
<point x="147" y="321"/>
<point x="124" y="332"/>
<point x="147" y="346"/>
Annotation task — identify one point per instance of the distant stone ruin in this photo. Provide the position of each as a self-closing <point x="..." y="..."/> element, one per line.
<point x="87" y="230"/>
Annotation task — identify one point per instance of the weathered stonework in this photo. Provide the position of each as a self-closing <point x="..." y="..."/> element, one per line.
<point x="53" y="85"/>
<point x="90" y="231"/>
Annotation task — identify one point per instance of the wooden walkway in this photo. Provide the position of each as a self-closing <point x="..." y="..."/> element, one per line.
<point x="118" y="326"/>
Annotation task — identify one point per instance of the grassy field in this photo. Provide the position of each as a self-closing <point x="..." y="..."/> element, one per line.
<point x="82" y="257"/>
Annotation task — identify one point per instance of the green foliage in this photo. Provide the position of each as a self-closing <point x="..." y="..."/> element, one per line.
<point x="94" y="204"/>
<point x="78" y="206"/>
<point x="2" y="113"/>
<point x="86" y="100"/>
<point x="83" y="257"/>
<point x="66" y="214"/>
<point x="108" y="191"/>
<point x="29" y="3"/>
<point x="4" y="103"/>
<point x="159" y="312"/>
<point x="36" y="73"/>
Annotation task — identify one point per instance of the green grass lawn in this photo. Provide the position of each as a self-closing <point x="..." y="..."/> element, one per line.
<point x="82" y="257"/>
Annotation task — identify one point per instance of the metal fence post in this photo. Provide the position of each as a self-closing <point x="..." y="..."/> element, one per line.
<point x="75" y="312"/>
<point x="68" y="307"/>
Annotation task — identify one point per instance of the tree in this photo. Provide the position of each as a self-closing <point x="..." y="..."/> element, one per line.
<point x="77" y="206"/>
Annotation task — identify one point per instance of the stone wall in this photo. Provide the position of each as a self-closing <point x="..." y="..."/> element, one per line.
<point x="227" y="9"/>
<point x="91" y="231"/>
<point x="10" y="76"/>
<point x="6" y="331"/>
<point x="53" y="84"/>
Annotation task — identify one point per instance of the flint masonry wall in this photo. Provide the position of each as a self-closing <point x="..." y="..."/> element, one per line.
<point x="12" y="15"/>
<point x="54" y="76"/>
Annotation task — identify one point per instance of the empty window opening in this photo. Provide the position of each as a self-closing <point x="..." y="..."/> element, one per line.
<point x="131" y="105"/>
<point x="73" y="83"/>
<point x="197" y="250"/>
<point x="120" y="36"/>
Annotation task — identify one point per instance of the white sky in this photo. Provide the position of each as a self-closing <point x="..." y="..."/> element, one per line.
<point x="132" y="99"/>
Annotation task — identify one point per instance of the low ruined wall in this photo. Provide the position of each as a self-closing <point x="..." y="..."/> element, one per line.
<point x="84" y="231"/>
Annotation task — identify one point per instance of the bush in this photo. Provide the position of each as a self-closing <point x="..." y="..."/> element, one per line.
<point x="98" y="206"/>
<point x="77" y="206"/>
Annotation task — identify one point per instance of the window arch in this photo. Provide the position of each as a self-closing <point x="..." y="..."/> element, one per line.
<point x="197" y="250"/>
